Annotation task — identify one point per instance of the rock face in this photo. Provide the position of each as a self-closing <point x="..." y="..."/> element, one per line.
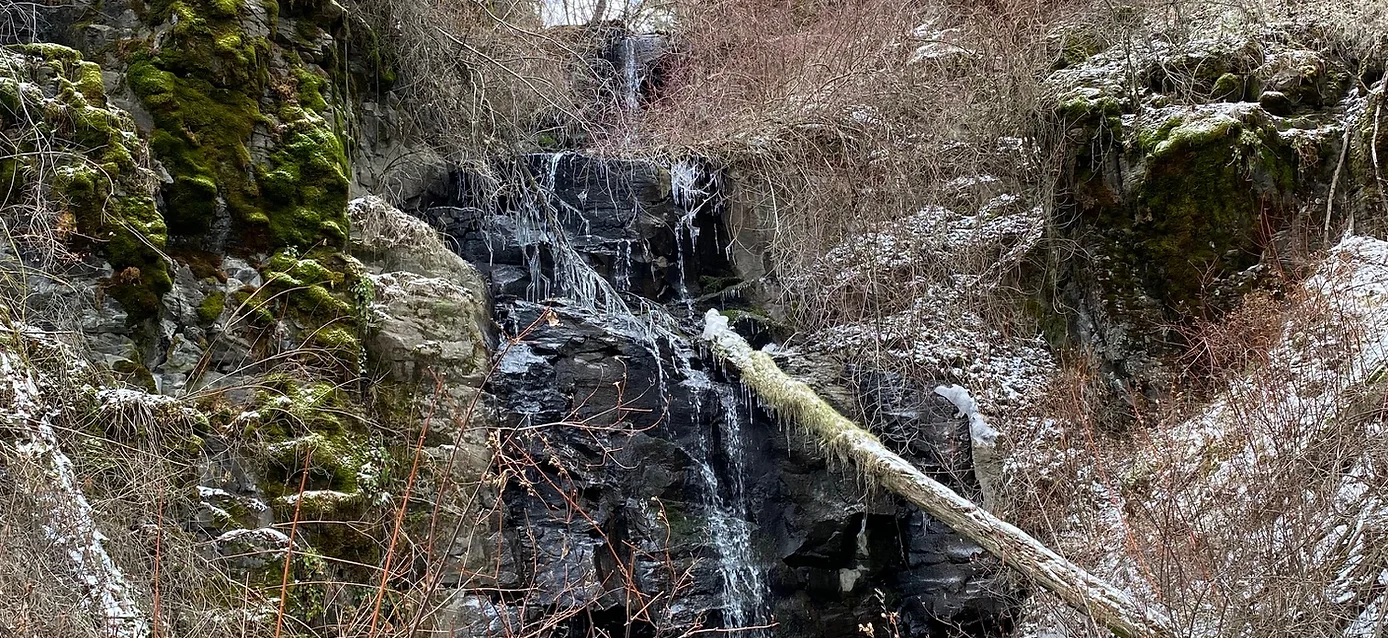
<point x="184" y="166"/>
<point x="603" y="467"/>
<point x="639" y="470"/>
<point x="1186" y="165"/>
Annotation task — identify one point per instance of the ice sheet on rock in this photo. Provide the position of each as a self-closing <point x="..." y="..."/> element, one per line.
<point x="979" y="431"/>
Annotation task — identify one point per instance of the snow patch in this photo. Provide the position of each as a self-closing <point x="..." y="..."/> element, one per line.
<point x="979" y="431"/>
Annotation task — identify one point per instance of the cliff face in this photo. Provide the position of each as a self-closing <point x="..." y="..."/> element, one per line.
<point x="331" y="360"/>
<point x="678" y="494"/>
<point x="179" y="184"/>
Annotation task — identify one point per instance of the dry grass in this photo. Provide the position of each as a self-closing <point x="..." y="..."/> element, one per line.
<point x="1252" y="514"/>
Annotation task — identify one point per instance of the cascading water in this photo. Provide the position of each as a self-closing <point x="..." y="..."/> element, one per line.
<point x="743" y="586"/>
<point x="637" y="520"/>
<point x="689" y="198"/>
<point x="553" y="231"/>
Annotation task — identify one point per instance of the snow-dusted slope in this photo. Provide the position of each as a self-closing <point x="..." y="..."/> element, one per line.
<point x="1262" y="513"/>
<point x="70" y="526"/>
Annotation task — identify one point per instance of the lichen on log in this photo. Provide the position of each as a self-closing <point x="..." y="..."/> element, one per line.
<point x="793" y="400"/>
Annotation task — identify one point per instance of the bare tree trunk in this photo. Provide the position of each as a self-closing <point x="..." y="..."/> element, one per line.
<point x="1106" y="604"/>
<point x="598" y="11"/>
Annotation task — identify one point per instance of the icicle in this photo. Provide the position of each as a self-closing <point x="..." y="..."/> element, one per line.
<point x="689" y="199"/>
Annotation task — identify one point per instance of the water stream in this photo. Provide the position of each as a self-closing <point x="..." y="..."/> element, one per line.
<point x="541" y="224"/>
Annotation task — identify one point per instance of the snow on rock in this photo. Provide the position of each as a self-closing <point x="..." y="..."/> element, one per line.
<point x="938" y="44"/>
<point x="70" y="525"/>
<point x="253" y="548"/>
<point x="987" y="462"/>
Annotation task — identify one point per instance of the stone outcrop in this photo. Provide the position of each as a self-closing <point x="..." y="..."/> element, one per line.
<point x="596" y="264"/>
<point x="1187" y="165"/>
<point x="183" y="173"/>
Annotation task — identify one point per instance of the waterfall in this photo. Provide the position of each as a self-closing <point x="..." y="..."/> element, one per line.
<point x="555" y="235"/>
<point x="725" y="503"/>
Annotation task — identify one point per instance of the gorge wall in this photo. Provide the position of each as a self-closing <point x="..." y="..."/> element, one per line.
<point x="488" y="417"/>
<point x="336" y="356"/>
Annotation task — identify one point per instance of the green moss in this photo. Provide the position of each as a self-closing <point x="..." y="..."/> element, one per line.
<point x="334" y="466"/>
<point x="206" y="41"/>
<point x="1229" y="87"/>
<point x="49" y="51"/>
<point x="206" y="88"/>
<point x="315" y="439"/>
<point x="10" y="177"/>
<point x="98" y="179"/>
<point x="306" y="184"/>
<point x="136" y="374"/>
<point x="211" y="307"/>
<point x="1092" y="109"/>
<point x="88" y="81"/>
<point x="322" y="291"/>
<point x="250" y="304"/>
<point x="339" y="338"/>
<point x="201" y="138"/>
<point x="304" y="271"/>
<point x="308" y="285"/>
<point x="310" y="90"/>
<point x="1207" y="178"/>
<point x="11" y="99"/>
<point x="1218" y="71"/>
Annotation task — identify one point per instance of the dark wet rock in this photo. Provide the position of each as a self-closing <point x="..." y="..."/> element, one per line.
<point x="621" y="419"/>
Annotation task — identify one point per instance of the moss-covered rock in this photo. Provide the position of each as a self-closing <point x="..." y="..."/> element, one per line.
<point x="212" y="306"/>
<point x="1208" y="177"/>
<point x="1305" y="78"/>
<point x="91" y="161"/>
<point x="314" y="437"/>
<point x="214" y="83"/>
<point x="201" y="135"/>
<point x="1175" y="180"/>
<point x="1366" y="197"/>
<point x="318" y="293"/>
<point x="305" y="183"/>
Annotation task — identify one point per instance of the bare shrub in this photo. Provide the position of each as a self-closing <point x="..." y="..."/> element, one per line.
<point x="482" y="80"/>
<point x="1250" y="514"/>
<point x="844" y="118"/>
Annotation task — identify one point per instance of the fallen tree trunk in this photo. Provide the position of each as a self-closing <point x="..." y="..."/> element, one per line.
<point x="1106" y="604"/>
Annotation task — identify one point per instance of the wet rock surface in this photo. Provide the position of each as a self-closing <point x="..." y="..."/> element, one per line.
<point x="650" y="463"/>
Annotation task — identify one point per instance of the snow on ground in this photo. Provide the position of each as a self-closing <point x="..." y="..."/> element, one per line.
<point x="69" y="526"/>
<point x="1263" y="509"/>
<point x="942" y="264"/>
